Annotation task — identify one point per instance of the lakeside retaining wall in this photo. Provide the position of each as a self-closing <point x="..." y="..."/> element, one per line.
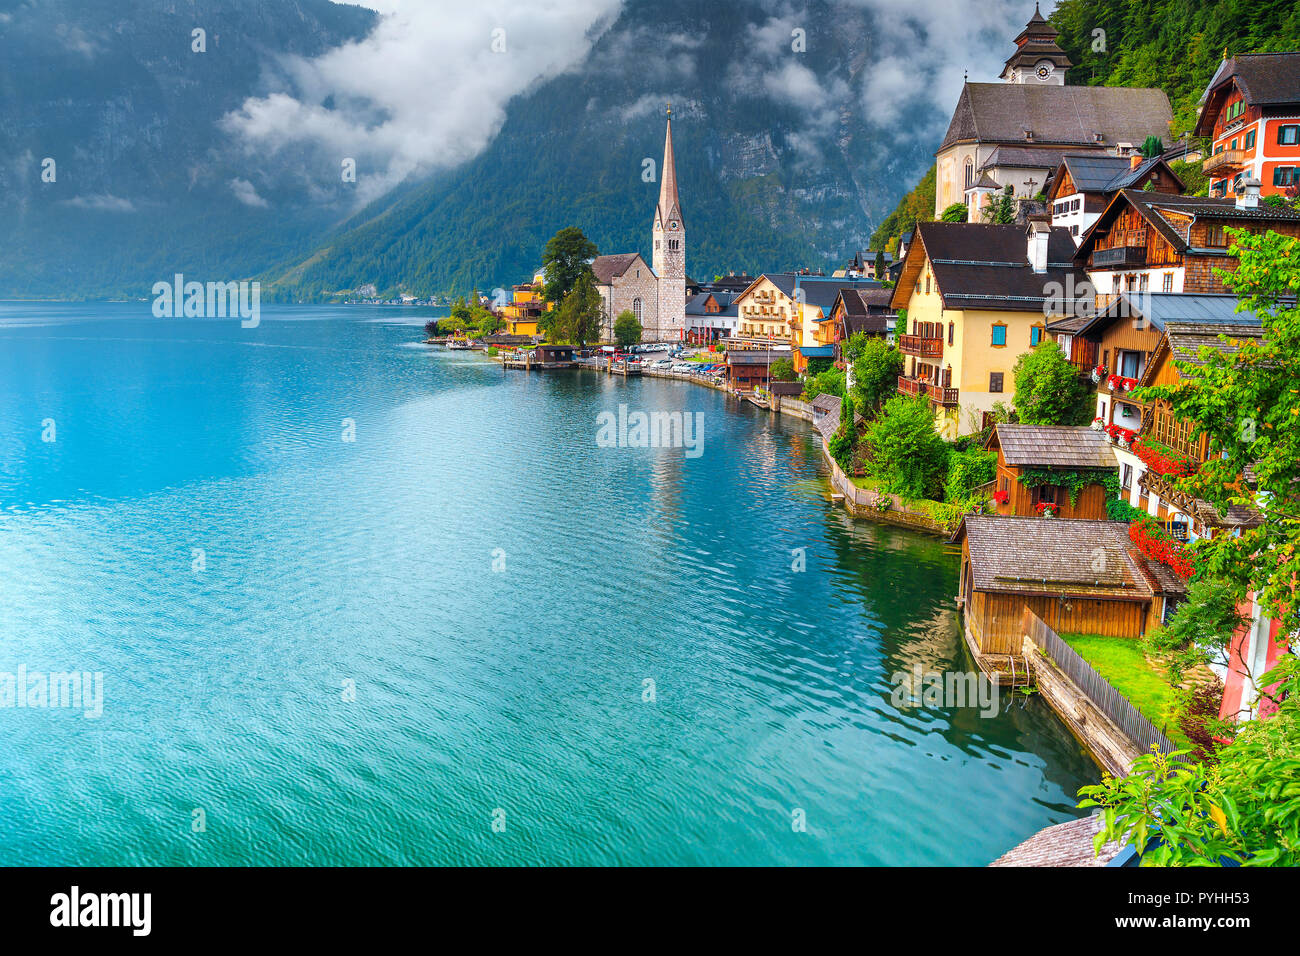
<point x="864" y="503"/>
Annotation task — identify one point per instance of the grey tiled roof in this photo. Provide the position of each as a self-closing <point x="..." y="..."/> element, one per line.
<point x="1055" y="446"/>
<point x="1061" y="556"/>
<point x="608" y="268"/>
<point x="1267" y="79"/>
<point x="1058" y="115"/>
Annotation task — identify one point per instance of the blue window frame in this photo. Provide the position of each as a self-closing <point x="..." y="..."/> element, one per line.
<point x="999" y="335"/>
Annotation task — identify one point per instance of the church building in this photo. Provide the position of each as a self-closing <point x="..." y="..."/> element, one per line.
<point x="1017" y="131"/>
<point x="655" y="293"/>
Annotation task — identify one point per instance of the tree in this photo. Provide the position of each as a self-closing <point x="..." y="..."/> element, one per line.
<point x="1002" y="209"/>
<point x="1197" y="183"/>
<point x="878" y="267"/>
<point x="782" y="370"/>
<point x="578" y="319"/>
<point x="1245" y="401"/>
<point x="1201" y="629"/>
<point x="957" y="212"/>
<point x="829" y="382"/>
<point x="1152" y="147"/>
<point x="1048" y="390"/>
<point x="567" y="255"/>
<point x="908" y="456"/>
<point x="844" y="442"/>
<point x="1244" y="809"/>
<point x="876" y="368"/>
<point x="627" y="330"/>
<point x="968" y="470"/>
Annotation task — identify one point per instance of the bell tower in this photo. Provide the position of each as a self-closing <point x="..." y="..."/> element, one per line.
<point x="669" y="238"/>
<point x="1038" y="60"/>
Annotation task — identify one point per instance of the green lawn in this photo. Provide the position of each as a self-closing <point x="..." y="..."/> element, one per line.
<point x="1120" y="660"/>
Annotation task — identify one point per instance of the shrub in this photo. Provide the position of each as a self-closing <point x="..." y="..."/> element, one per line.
<point x="967" y="470"/>
<point x="908" y="456"/>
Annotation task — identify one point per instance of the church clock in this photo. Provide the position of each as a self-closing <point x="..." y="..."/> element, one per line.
<point x="1043" y="69"/>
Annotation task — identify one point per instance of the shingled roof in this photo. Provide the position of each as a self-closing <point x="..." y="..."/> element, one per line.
<point x="1054" y="446"/>
<point x="1097" y="117"/>
<point x="985" y="266"/>
<point x="1265" y="79"/>
<point x="609" y="268"/>
<point x="1061" y="556"/>
<point x="1066" y="844"/>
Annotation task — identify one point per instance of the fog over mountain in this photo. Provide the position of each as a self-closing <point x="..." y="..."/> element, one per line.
<point x="475" y="131"/>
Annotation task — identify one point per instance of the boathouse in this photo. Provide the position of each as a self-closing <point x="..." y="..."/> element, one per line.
<point x="554" y="356"/>
<point x="1060" y="469"/>
<point x="1080" y="577"/>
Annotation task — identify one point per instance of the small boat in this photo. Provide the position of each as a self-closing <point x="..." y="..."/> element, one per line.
<point x="456" y="344"/>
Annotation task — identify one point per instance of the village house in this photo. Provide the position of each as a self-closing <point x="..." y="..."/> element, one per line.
<point x="977" y="297"/>
<point x="1159" y="242"/>
<point x="1084" y="184"/>
<point x="525" y="309"/>
<point x="711" y="317"/>
<point x="863" y="266"/>
<point x="1251" y="113"/>
<point x="815" y="299"/>
<point x="1080" y="577"/>
<point x="748" y="369"/>
<point x="1016" y="132"/>
<point x="857" y="312"/>
<point x="1051" y="470"/>
<point x="764" y="310"/>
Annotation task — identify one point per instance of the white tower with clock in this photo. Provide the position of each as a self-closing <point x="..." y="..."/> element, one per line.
<point x="669" y="238"/>
<point x="1038" y="59"/>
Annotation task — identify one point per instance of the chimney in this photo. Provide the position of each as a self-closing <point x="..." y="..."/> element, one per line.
<point x="1039" y="233"/>
<point x="1248" y="198"/>
<point x="1135" y="160"/>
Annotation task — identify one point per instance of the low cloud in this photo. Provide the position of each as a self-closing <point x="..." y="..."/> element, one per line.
<point x="427" y="89"/>
<point x="246" y="193"/>
<point x="101" y="202"/>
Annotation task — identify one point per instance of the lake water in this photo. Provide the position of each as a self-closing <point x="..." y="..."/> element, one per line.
<point x="326" y="651"/>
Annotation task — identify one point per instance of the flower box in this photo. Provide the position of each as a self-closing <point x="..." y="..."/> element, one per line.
<point x="1001" y="497"/>
<point x="1119" y="383"/>
<point x="1163" y="460"/>
<point x="1046" y="509"/>
<point x="1098" y="424"/>
<point x="1153" y="542"/>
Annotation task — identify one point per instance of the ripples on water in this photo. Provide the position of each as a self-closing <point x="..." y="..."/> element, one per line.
<point x="371" y="561"/>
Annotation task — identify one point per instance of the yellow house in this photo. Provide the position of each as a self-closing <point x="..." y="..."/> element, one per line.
<point x="525" y="307"/>
<point x="978" y="296"/>
<point x="765" y="309"/>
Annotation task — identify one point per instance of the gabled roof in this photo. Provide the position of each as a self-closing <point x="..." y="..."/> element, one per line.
<point x="1167" y="212"/>
<point x="1023" y="158"/>
<point x="1053" y="446"/>
<point x="984" y="266"/>
<point x="1265" y="80"/>
<point x="695" y="305"/>
<point x="1056" y="556"/>
<point x="1058" y="115"/>
<point x="1160" y="309"/>
<point x="609" y="268"/>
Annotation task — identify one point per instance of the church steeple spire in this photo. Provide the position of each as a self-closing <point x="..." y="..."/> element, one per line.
<point x="669" y="207"/>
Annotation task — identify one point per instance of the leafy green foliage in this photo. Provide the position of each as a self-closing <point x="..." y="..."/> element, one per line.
<point x="1002" y="208"/>
<point x="782" y="370"/>
<point x="1048" y="390"/>
<point x="967" y="470"/>
<point x="843" y="443"/>
<point x="907" y="455"/>
<point x="1195" y="181"/>
<point x="1244" y="809"/>
<point x="829" y="382"/>
<point x="578" y="318"/>
<point x="876" y="368"/>
<point x="1200" y="630"/>
<point x="1073" y="480"/>
<point x="1248" y="403"/>
<point x="627" y="330"/>
<point x="957" y="212"/>
<point x="565" y="258"/>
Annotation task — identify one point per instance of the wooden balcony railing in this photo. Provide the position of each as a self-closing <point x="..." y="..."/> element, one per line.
<point x="911" y="387"/>
<point x="1119" y="257"/>
<point x="921" y="346"/>
<point x="947" y="397"/>
<point x="1228" y="161"/>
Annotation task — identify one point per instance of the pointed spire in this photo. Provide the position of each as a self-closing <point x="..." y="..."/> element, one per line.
<point x="669" y="207"/>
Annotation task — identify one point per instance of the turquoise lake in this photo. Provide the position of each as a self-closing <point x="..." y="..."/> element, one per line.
<point x="367" y="651"/>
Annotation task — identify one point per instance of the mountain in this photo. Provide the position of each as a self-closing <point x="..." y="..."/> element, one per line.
<point x="145" y="181"/>
<point x="777" y="169"/>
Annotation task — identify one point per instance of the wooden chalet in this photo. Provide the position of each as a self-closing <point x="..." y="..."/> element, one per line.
<point x="748" y="369"/>
<point x="1080" y="577"/>
<point x="1084" y="184"/>
<point x="1026" y="449"/>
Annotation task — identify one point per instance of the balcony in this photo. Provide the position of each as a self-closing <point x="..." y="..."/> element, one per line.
<point x="920" y="346"/>
<point x="1226" y="163"/>
<point x="912" y="387"/>
<point x="947" y="397"/>
<point x="1120" y="257"/>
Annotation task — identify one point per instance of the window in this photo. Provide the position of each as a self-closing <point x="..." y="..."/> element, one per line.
<point x="1035" y="336"/>
<point x="970" y="173"/>
<point x="1250" y="140"/>
<point x="1214" y="236"/>
<point x="1233" y="145"/>
<point x="1126" y="477"/>
<point x="927" y="283"/>
<point x="1288" y="135"/>
<point x="1144" y="281"/>
<point x="1047" y="494"/>
<point x="999" y="337"/>
<point x="1284" y="175"/>
<point x="1114" y="285"/>
<point x="995" y="381"/>
<point x="1129" y="364"/>
<point x="951" y="330"/>
<point x="1167" y="282"/>
<point x="636" y="309"/>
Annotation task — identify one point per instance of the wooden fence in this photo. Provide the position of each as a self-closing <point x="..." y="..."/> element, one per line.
<point x="1108" y="700"/>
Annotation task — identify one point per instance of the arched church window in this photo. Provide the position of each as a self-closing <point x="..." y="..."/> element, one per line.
<point x="636" y="309"/>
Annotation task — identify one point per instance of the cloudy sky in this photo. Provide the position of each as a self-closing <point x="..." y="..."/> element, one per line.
<point x="429" y="87"/>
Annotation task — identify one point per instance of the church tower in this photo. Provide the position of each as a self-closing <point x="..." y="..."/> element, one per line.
<point x="1038" y="60"/>
<point x="670" y="247"/>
